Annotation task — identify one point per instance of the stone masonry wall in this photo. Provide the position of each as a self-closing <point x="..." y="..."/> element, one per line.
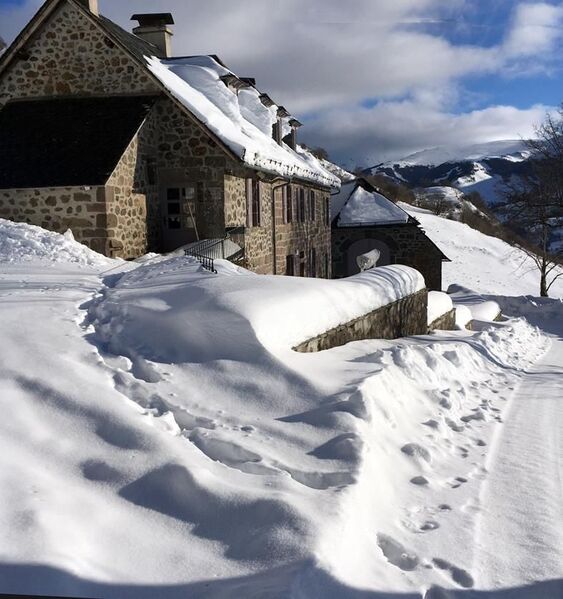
<point x="290" y="238"/>
<point x="295" y="237"/>
<point x="70" y="56"/>
<point x="402" y="318"/>
<point x="407" y="244"/>
<point x="58" y="209"/>
<point x="446" y="322"/>
<point x="126" y="193"/>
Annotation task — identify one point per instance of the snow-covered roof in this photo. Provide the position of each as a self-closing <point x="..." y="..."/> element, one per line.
<point x="357" y="205"/>
<point x="239" y="119"/>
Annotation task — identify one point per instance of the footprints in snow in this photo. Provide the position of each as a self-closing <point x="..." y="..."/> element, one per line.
<point x="405" y="559"/>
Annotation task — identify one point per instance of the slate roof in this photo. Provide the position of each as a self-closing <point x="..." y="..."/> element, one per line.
<point x="66" y="142"/>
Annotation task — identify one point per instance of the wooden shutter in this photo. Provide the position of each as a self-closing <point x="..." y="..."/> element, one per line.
<point x="249" y="202"/>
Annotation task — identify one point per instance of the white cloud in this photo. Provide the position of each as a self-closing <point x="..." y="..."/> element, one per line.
<point x="535" y="29"/>
<point x="390" y="130"/>
<point x="325" y="58"/>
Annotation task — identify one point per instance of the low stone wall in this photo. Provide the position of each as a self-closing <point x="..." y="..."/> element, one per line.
<point x="446" y="322"/>
<point x="402" y="318"/>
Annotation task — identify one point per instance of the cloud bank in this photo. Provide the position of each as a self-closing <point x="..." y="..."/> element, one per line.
<point x="373" y="79"/>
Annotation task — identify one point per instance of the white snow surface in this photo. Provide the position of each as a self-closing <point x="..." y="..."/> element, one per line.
<point x="240" y="121"/>
<point x="485" y="264"/>
<point x="439" y="303"/>
<point x="161" y="439"/>
<point x="358" y="206"/>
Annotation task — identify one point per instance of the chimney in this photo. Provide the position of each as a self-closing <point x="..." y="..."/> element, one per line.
<point x="91" y="5"/>
<point x="292" y="137"/>
<point x="153" y="28"/>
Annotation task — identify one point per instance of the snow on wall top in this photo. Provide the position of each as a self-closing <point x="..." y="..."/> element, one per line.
<point x="20" y="242"/>
<point x="240" y="120"/>
<point x="276" y="311"/>
<point x="356" y="206"/>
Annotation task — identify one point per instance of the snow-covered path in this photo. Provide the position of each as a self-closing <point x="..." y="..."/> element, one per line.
<point x="520" y="538"/>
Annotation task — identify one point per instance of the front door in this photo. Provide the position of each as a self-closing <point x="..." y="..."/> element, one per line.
<point x="179" y="218"/>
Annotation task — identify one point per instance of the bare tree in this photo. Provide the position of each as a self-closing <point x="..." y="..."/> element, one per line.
<point x="534" y="204"/>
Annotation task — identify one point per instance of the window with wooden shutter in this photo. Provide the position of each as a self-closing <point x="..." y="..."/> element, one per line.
<point x="289" y="204"/>
<point x="327" y="211"/>
<point x="312" y="262"/>
<point x="301" y="216"/>
<point x="253" y="203"/>
<point x="290" y="265"/>
<point x="312" y="200"/>
<point x="284" y="204"/>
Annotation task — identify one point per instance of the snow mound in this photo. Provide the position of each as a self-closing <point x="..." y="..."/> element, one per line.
<point x="480" y="308"/>
<point x="275" y="311"/>
<point x="438" y="304"/>
<point x="20" y="242"/>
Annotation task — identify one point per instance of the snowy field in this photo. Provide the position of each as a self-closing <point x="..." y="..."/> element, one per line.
<point x="161" y="439"/>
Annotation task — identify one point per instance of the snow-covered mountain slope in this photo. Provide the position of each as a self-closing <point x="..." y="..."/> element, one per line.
<point x="161" y="439"/>
<point x="483" y="168"/>
<point x="445" y="201"/>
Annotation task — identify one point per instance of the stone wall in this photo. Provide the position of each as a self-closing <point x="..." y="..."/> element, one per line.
<point x="407" y="244"/>
<point x="446" y="322"/>
<point x="288" y="238"/>
<point x="69" y="55"/>
<point x="402" y="318"/>
<point x="83" y="210"/>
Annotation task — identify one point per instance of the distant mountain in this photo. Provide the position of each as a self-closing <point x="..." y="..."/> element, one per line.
<point x="485" y="168"/>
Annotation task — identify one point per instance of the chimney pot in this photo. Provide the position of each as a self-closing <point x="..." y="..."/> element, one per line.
<point x="153" y="28"/>
<point x="91" y="5"/>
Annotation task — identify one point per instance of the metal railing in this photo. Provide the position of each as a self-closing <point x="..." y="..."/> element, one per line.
<point x="207" y="251"/>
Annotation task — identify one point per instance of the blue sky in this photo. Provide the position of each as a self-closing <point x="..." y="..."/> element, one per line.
<point x="376" y="79"/>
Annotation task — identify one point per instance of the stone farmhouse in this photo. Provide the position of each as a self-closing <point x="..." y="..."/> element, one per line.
<point x="364" y="220"/>
<point x="103" y="132"/>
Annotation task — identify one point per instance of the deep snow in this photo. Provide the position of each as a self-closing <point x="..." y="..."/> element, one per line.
<point x="161" y="439"/>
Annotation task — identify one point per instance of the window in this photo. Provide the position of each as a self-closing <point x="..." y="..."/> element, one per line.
<point x="288" y="204"/>
<point x="301" y="264"/>
<point x="290" y="265"/>
<point x="253" y="202"/>
<point x="327" y="267"/>
<point x="301" y="209"/>
<point x="312" y="200"/>
<point x="173" y="220"/>
<point x="312" y="262"/>
<point x="327" y="212"/>
<point x="181" y="207"/>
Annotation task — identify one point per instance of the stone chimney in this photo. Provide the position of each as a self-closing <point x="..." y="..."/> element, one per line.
<point x="153" y="28"/>
<point x="91" y="5"/>
<point x="291" y="139"/>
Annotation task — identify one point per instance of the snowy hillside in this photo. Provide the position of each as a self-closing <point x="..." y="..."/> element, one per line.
<point x="485" y="264"/>
<point x="483" y="168"/>
<point x="161" y="439"/>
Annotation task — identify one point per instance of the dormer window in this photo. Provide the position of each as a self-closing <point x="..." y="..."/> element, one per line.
<point x="234" y="83"/>
<point x="277" y="128"/>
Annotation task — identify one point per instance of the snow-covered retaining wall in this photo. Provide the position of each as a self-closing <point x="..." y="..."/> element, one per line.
<point x="445" y="322"/>
<point x="404" y="317"/>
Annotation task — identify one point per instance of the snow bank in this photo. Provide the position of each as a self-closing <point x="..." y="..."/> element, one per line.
<point x="195" y="315"/>
<point x="241" y="121"/>
<point x="480" y="308"/>
<point x="20" y="242"/>
<point x="463" y="316"/>
<point x="438" y="304"/>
